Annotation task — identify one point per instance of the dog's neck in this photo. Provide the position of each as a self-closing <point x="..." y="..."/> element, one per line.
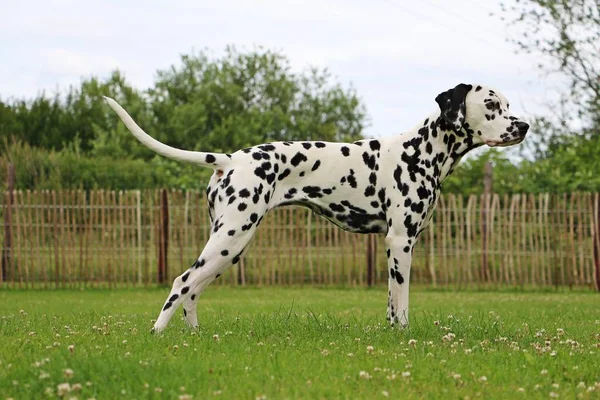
<point x="447" y="147"/>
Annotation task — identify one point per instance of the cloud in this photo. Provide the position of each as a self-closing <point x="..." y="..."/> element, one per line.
<point x="397" y="54"/>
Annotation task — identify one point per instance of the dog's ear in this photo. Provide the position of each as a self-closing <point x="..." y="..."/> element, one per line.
<point x="452" y="105"/>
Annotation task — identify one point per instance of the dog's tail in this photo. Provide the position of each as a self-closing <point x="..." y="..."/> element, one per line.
<point x="195" y="157"/>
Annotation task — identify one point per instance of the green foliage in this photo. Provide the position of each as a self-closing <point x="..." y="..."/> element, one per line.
<point x="225" y="104"/>
<point x="567" y="35"/>
<point x="245" y="99"/>
<point x="69" y="169"/>
<point x="468" y="177"/>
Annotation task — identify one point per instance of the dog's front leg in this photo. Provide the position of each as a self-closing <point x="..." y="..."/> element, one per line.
<point x="399" y="255"/>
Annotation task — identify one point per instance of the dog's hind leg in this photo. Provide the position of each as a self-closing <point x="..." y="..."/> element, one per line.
<point x="190" y="303"/>
<point x="224" y="249"/>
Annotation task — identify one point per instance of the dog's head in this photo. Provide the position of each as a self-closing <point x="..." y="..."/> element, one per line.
<point x="483" y="113"/>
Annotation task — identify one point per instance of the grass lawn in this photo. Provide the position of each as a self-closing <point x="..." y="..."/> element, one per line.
<point x="279" y="343"/>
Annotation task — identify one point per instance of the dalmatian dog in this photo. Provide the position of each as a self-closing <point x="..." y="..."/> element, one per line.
<point x="388" y="186"/>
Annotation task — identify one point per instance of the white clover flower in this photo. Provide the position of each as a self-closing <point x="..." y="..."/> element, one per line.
<point x="63" y="389"/>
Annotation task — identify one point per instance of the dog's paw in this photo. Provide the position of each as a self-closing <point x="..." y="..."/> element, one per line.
<point x="156" y="330"/>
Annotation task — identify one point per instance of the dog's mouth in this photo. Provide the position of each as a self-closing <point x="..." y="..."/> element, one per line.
<point x="502" y="143"/>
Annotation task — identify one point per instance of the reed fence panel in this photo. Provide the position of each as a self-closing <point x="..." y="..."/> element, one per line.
<point x="103" y="238"/>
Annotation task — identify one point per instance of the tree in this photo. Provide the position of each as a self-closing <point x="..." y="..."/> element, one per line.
<point x="224" y="104"/>
<point x="244" y="99"/>
<point x="566" y="33"/>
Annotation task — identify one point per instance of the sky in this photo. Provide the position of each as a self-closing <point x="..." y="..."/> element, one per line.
<point x="397" y="54"/>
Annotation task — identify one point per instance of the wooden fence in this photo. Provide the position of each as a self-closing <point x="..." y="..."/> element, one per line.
<point x="107" y="238"/>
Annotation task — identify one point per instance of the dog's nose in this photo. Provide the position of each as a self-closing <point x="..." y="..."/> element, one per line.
<point x="523" y="127"/>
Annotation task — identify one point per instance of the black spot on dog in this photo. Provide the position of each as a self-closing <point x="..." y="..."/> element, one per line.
<point x="316" y="165"/>
<point x="319" y="145"/>
<point x="242" y="206"/>
<point x="285" y="173"/>
<point x="306" y="145"/>
<point x="167" y="306"/>
<point x="345" y="151"/>
<point x="411" y="228"/>
<point x="224" y="253"/>
<point x="428" y="148"/>
<point x="336" y="207"/>
<point x="373" y="178"/>
<point x="290" y="194"/>
<point x="312" y="191"/>
<point x="185" y="276"/>
<point x="185" y="290"/>
<point x="369" y="160"/>
<point x="260" y="173"/>
<point x="244" y="193"/>
<point x="417" y="207"/>
<point x="423" y="192"/>
<point x="210" y="158"/>
<point x="297" y="159"/>
<point x="231" y="232"/>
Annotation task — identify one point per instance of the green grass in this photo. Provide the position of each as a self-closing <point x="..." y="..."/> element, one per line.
<point x="301" y="343"/>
